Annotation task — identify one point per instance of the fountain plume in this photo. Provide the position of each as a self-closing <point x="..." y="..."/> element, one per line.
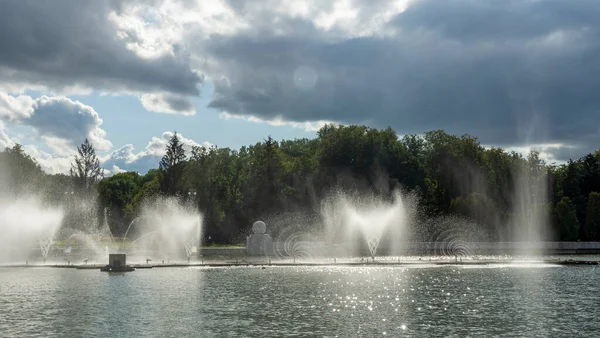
<point x="26" y="222"/>
<point x="367" y="217"/>
<point x="166" y="227"/>
<point x="530" y="213"/>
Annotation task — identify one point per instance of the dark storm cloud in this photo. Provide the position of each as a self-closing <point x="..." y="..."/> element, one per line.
<point x="510" y="72"/>
<point x="179" y="103"/>
<point x="64" y="43"/>
<point x="507" y="19"/>
<point x="171" y="104"/>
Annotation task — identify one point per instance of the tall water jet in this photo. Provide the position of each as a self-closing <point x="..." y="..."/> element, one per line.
<point x="27" y="223"/>
<point x="530" y="212"/>
<point x="366" y="217"/>
<point x="104" y="231"/>
<point x="167" y="227"/>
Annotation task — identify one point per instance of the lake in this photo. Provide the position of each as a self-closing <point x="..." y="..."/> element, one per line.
<point x="498" y="300"/>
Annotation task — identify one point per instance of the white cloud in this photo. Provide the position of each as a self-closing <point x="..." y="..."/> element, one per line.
<point x="208" y="17"/>
<point x="59" y="146"/>
<point x="147" y="40"/>
<point x="127" y="159"/>
<point x="69" y="120"/>
<point x="5" y="141"/>
<point x="15" y="107"/>
<point x="51" y="164"/>
<point x="59" y="121"/>
<point x="114" y="170"/>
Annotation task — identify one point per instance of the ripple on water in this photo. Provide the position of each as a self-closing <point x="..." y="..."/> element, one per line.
<point x="301" y="301"/>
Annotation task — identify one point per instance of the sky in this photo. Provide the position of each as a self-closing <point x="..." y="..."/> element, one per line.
<point x="126" y="74"/>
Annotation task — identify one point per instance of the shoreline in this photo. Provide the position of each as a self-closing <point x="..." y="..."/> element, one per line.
<point x="569" y="262"/>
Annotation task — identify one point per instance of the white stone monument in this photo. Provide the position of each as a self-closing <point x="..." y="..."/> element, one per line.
<point x="259" y="243"/>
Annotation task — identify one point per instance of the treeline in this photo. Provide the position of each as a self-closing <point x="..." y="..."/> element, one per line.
<point x="451" y="175"/>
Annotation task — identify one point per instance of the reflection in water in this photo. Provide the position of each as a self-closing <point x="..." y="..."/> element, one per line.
<point x="302" y="301"/>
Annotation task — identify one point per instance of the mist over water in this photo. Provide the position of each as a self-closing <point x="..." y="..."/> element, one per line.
<point x="530" y="215"/>
<point x="530" y="206"/>
<point x="27" y="226"/>
<point x="361" y="221"/>
<point x="166" y="228"/>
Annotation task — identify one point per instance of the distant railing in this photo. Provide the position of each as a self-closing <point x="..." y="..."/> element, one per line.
<point x="465" y="248"/>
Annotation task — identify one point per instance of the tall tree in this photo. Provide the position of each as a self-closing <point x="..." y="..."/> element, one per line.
<point x="174" y="154"/>
<point x="172" y="165"/>
<point x="86" y="170"/>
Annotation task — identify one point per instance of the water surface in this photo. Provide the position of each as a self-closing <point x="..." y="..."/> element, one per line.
<point x="503" y="300"/>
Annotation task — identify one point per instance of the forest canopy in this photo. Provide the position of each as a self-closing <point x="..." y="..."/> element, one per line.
<point x="449" y="174"/>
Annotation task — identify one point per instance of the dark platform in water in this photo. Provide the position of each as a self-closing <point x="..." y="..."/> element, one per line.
<point x="125" y="268"/>
<point x="116" y="263"/>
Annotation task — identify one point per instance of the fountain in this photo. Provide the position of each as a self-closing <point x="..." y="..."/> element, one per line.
<point x="190" y="248"/>
<point x="27" y="222"/>
<point x="370" y="217"/>
<point x="166" y="227"/>
<point x="530" y="213"/>
<point x="45" y="243"/>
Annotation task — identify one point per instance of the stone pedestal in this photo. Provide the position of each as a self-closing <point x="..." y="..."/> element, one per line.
<point x="259" y="243"/>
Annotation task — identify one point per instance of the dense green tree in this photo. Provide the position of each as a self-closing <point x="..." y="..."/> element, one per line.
<point x="566" y="218"/>
<point x="172" y="166"/>
<point x="592" y="220"/>
<point x="267" y="170"/>
<point x="20" y="174"/>
<point x="590" y="175"/>
<point x="117" y="193"/>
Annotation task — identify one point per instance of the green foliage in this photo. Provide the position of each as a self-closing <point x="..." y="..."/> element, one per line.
<point x="19" y="173"/>
<point x="592" y="220"/>
<point x="566" y="218"/>
<point x="117" y="193"/>
<point x="233" y="188"/>
<point x="172" y="166"/>
<point x="174" y="154"/>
